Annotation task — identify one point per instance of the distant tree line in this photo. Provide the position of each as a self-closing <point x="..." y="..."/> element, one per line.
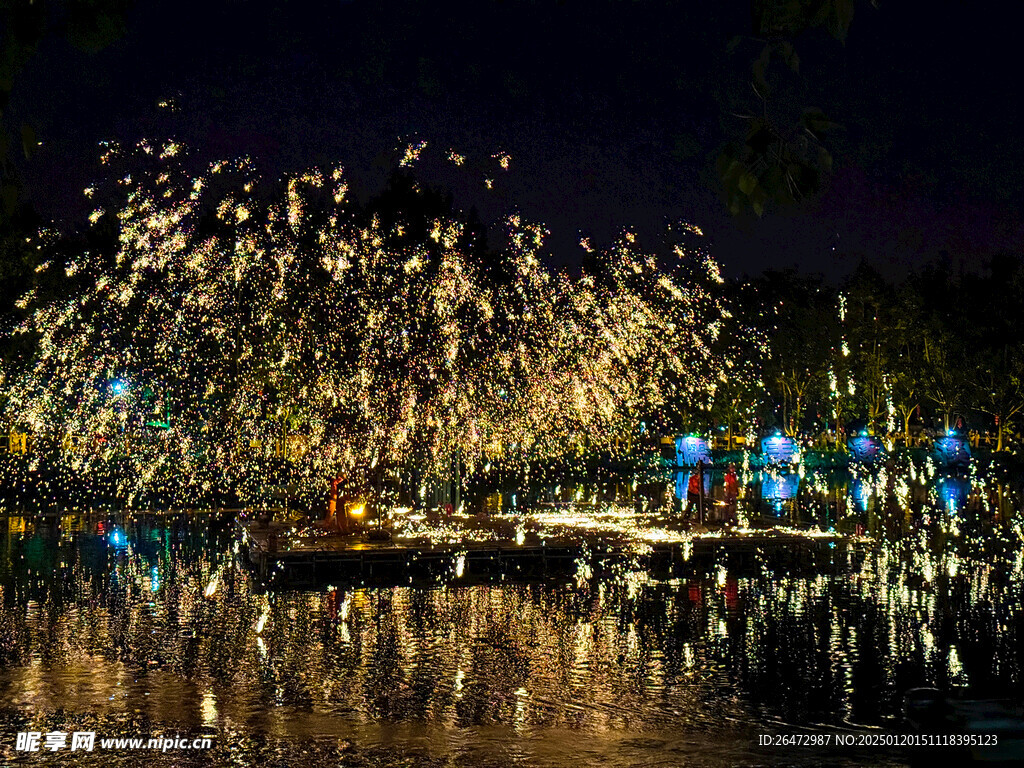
<point x="939" y="350"/>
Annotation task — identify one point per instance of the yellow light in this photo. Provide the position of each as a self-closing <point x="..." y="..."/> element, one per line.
<point x="357" y="510"/>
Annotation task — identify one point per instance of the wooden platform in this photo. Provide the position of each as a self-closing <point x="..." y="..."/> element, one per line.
<point x="297" y="561"/>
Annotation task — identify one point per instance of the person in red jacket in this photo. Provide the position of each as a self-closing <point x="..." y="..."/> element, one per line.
<point x="695" y="491"/>
<point x="731" y="495"/>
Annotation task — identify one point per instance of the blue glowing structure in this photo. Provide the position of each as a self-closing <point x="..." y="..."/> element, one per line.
<point x="953" y="492"/>
<point x="952" y="451"/>
<point x="865" y="449"/>
<point x="861" y="494"/>
<point x="117" y="539"/>
<point x="118" y="387"/>
<point x="779" y="449"/>
<point x="690" y="449"/>
<point x="776" y="490"/>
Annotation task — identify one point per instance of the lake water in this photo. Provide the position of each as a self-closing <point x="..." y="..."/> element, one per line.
<point x="153" y="626"/>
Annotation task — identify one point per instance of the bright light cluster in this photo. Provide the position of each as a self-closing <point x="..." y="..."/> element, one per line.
<point x="241" y="334"/>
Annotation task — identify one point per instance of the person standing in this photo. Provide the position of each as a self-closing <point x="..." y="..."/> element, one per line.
<point x="693" y="492"/>
<point x="732" y="493"/>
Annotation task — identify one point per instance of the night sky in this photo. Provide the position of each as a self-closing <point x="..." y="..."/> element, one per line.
<point x="612" y="111"/>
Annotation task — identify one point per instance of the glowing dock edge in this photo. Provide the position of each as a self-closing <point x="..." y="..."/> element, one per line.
<point x="363" y="563"/>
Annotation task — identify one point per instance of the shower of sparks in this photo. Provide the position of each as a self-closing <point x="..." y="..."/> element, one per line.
<point x="240" y="334"/>
<point x="412" y="153"/>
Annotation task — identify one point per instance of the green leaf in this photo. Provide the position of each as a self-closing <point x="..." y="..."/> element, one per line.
<point x="816" y="122"/>
<point x="729" y="168"/>
<point x="825" y="159"/>
<point x="735" y="170"/>
<point x="747" y="183"/>
<point x="759" y="199"/>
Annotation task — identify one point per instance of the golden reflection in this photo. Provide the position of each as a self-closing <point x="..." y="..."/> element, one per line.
<point x="89" y="619"/>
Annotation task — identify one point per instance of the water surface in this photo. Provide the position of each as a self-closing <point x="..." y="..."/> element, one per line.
<point x="153" y="625"/>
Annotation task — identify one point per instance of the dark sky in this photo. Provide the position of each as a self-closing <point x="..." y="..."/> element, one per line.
<point x="613" y="112"/>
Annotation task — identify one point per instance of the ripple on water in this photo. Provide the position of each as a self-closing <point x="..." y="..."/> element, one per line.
<point x="622" y="672"/>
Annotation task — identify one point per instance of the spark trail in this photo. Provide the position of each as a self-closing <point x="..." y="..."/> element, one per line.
<point x="234" y="322"/>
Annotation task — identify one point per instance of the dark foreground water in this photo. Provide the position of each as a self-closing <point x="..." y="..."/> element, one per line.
<point x="154" y="628"/>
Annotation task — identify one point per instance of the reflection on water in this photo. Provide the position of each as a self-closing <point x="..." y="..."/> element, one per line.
<point x="147" y="625"/>
<point x="777" y="489"/>
<point x="889" y="503"/>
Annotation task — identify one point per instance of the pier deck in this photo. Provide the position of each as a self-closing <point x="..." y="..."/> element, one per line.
<point x="276" y="553"/>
